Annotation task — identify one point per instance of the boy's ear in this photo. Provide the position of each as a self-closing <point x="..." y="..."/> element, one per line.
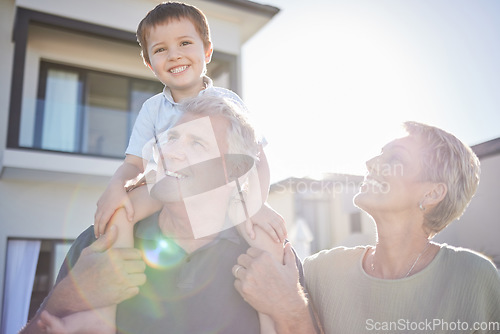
<point x="208" y="53"/>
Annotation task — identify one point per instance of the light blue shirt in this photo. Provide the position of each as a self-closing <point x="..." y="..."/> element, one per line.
<point x="160" y="112"/>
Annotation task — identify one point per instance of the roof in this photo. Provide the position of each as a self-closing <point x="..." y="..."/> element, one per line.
<point x="326" y="181"/>
<point x="254" y="7"/>
<point x="486" y="149"/>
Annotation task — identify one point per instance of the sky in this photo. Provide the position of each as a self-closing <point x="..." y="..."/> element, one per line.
<point x="329" y="82"/>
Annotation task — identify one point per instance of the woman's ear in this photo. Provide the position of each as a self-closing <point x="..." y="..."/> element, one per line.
<point x="435" y="195"/>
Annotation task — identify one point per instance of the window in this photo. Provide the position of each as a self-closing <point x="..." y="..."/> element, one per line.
<point x="50" y="259"/>
<point x="316" y="211"/>
<point x="355" y="220"/>
<point x="87" y="112"/>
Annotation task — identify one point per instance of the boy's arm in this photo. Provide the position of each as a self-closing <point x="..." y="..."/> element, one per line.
<point x="267" y="218"/>
<point x="265" y="242"/>
<point x="115" y="195"/>
<point x="81" y="322"/>
<point x="143" y="204"/>
<point x="264" y="173"/>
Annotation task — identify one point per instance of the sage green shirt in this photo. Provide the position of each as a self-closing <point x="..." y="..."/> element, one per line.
<point x="458" y="292"/>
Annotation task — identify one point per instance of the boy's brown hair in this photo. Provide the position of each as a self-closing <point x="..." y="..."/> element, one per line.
<point x="164" y="13"/>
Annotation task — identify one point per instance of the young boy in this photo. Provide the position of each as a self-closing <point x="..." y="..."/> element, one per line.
<point x="176" y="46"/>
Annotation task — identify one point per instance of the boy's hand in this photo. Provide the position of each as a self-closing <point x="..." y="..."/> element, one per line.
<point x="51" y="324"/>
<point x="270" y="221"/>
<point x="114" y="197"/>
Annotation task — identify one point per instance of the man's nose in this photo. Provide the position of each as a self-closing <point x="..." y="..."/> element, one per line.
<point x="175" y="151"/>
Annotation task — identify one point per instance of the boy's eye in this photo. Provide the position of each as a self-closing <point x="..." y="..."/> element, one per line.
<point x="185" y="43"/>
<point x="159" y="50"/>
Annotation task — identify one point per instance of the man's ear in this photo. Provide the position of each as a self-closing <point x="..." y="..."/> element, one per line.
<point x="208" y="53"/>
<point x="435" y="195"/>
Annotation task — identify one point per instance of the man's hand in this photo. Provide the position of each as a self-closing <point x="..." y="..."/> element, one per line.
<point x="102" y="276"/>
<point x="266" y="284"/>
<point x="108" y="275"/>
<point x="273" y="288"/>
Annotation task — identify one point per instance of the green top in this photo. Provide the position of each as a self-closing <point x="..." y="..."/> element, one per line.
<point x="458" y="292"/>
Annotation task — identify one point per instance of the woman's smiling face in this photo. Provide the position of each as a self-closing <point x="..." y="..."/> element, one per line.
<point x="393" y="182"/>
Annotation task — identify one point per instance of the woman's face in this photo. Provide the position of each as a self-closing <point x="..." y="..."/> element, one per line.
<point x="393" y="184"/>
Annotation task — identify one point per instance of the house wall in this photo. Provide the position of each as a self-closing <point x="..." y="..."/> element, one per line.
<point x="40" y="196"/>
<point x="226" y="34"/>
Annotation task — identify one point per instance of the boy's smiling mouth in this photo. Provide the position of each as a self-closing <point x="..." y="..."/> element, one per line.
<point x="178" y="69"/>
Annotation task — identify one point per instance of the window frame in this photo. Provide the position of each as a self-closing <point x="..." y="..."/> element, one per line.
<point x="83" y="77"/>
<point x="26" y="17"/>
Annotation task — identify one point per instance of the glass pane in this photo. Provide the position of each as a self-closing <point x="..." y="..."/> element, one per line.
<point x="141" y="91"/>
<point x="219" y="71"/>
<point x="60" y="111"/>
<point x="105" y="128"/>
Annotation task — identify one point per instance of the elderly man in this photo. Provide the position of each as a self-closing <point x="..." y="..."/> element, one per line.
<point x="189" y="248"/>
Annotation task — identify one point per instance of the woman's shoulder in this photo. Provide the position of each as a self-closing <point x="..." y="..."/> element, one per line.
<point x="337" y="254"/>
<point x="467" y="258"/>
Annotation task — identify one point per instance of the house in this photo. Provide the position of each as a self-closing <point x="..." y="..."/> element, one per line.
<point x="72" y="84"/>
<point x="323" y="207"/>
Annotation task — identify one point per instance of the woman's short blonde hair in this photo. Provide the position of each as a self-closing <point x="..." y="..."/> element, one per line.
<point x="446" y="159"/>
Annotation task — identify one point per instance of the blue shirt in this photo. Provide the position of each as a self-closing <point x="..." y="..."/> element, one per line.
<point x="160" y="112"/>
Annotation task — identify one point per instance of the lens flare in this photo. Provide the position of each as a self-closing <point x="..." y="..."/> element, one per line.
<point x="161" y="253"/>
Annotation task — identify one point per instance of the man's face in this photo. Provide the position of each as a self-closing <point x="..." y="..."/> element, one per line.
<point x="195" y="169"/>
<point x="190" y="160"/>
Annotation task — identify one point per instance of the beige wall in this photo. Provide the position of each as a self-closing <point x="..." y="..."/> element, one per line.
<point x="52" y="195"/>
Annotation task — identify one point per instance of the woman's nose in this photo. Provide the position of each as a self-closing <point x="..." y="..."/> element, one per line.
<point x="372" y="164"/>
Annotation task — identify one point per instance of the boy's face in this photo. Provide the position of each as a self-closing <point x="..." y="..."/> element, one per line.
<point x="178" y="57"/>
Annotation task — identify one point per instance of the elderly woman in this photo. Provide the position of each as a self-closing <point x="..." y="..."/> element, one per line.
<point x="406" y="283"/>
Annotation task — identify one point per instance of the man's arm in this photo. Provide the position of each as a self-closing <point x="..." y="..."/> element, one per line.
<point x="273" y="288"/>
<point x="120" y="270"/>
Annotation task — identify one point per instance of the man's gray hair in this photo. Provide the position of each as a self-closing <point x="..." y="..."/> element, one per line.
<point x="242" y="137"/>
